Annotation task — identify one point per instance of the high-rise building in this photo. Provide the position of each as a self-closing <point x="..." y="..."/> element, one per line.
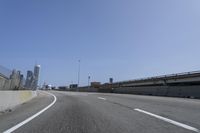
<point x="29" y="79"/>
<point x="36" y="75"/>
<point x="32" y="78"/>
<point x="21" y="84"/>
<point x="110" y="80"/>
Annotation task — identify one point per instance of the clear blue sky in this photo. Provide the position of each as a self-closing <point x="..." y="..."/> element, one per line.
<point x="123" y="39"/>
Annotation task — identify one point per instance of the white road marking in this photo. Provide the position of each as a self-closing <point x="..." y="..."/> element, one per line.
<point x="32" y="117"/>
<point x="101" y="98"/>
<point x="169" y="121"/>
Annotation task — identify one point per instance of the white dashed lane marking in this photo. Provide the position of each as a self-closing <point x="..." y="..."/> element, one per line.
<point x="101" y="98"/>
<point x="169" y="120"/>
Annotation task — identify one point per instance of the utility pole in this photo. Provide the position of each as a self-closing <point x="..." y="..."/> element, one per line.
<point x="79" y="62"/>
<point x="89" y="81"/>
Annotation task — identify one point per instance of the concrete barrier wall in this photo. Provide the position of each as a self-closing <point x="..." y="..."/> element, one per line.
<point x="171" y="91"/>
<point x="9" y="99"/>
<point x="88" y="89"/>
<point x="83" y="89"/>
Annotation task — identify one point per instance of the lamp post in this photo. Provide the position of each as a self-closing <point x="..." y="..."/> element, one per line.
<point x="79" y="62"/>
<point x="89" y="81"/>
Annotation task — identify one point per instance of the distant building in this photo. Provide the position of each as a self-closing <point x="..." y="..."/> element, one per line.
<point x="4" y="82"/>
<point x="11" y="80"/>
<point x="63" y="88"/>
<point x="73" y="86"/>
<point x="15" y="79"/>
<point x="36" y="75"/>
<point x="95" y="84"/>
<point x="32" y="78"/>
<point x="22" y="81"/>
<point x="110" y="80"/>
<point x="29" y="79"/>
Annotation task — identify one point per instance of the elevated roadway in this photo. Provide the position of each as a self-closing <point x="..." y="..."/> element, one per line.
<point x="76" y="112"/>
<point x="186" y="78"/>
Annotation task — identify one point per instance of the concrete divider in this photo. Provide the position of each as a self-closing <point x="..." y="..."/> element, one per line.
<point x="170" y="91"/>
<point x="190" y="91"/>
<point x="10" y="99"/>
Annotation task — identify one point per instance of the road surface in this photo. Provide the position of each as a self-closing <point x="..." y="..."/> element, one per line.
<point x="76" y="112"/>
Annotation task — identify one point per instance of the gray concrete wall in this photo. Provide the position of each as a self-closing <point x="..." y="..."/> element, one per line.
<point x="171" y="91"/>
<point x="88" y="89"/>
<point x="82" y="89"/>
<point x="10" y="99"/>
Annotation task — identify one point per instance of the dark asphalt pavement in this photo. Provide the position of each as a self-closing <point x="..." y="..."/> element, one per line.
<point x="76" y="112"/>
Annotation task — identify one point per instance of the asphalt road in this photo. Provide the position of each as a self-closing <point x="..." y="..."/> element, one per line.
<point x="75" y="112"/>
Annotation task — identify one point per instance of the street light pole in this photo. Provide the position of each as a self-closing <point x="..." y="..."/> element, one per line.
<point x="79" y="61"/>
<point x="88" y="81"/>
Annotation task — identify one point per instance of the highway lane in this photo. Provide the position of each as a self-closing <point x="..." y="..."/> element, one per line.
<point x="21" y="112"/>
<point x="76" y="112"/>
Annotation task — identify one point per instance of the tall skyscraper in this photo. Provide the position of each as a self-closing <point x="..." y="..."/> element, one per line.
<point x="29" y="79"/>
<point x="32" y="78"/>
<point x="36" y="75"/>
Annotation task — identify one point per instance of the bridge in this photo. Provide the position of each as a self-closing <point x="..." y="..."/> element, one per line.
<point x="186" y="78"/>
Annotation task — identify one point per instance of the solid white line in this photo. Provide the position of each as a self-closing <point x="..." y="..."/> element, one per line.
<point x="169" y="120"/>
<point x="101" y="98"/>
<point x="32" y="117"/>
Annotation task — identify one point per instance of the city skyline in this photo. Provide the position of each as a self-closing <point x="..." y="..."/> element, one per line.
<point x="113" y="39"/>
<point x="32" y="78"/>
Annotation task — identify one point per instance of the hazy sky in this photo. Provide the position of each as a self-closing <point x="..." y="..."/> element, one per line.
<point x="123" y="39"/>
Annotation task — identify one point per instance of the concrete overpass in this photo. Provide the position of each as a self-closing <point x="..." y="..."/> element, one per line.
<point x="187" y="78"/>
